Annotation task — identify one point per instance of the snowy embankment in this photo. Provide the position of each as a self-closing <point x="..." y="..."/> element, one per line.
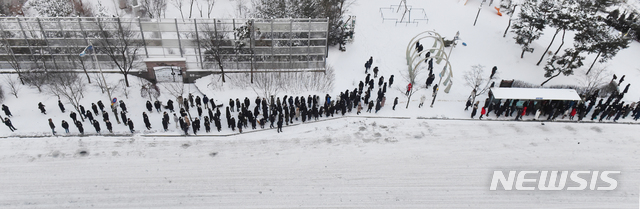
<point x="347" y="163"/>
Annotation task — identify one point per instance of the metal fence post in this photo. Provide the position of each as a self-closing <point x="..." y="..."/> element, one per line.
<point x="146" y="52"/>
<point x="179" y="41"/>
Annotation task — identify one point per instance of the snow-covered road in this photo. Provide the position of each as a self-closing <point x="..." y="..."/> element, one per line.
<point x="343" y="163"/>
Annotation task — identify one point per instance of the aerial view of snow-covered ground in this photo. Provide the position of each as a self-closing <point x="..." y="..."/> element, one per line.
<point x="402" y="156"/>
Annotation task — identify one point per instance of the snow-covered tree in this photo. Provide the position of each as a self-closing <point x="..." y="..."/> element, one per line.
<point x="49" y="8"/>
<point x="564" y="64"/>
<point x="332" y="9"/>
<point x="562" y="18"/>
<point x="529" y="24"/>
<point x="606" y="44"/>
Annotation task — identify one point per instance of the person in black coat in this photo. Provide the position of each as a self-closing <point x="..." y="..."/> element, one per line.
<point x="109" y="127"/>
<point x="123" y="115"/>
<point x="82" y="111"/>
<point x="198" y="101"/>
<point x="157" y="105"/>
<point x="61" y="106"/>
<point x="105" y="116"/>
<point x="53" y="126"/>
<point x="380" y="81"/>
<point x="41" y="107"/>
<point x="149" y="106"/>
<point x="395" y="102"/>
<point x="89" y="115"/>
<point x="240" y="124"/>
<point x="6" y="110"/>
<point x="65" y="126"/>
<point x="468" y="105"/>
<point x="130" y="124"/>
<point x="232" y="123"/>
<point x="165" y="123"/>
<point x="231" y="104"/>
<point x="79" y="126"/>
<point x="199" y="108"/>
<point x="186" y="105"/>
<point x="207" y="124"/>
<point x="195" y="125"/>
<point x="430" y="80"/>
<point x="390" y="80"/>
<point x="96" y="125"/>
<point x="205" y="100"/>
<point x="280" y="124"/>
<point x="73" y="116"/>
<point x="474" y="111"/>
<point x="94" y="107"/>
<point x="238" y="104"/>
<point x="216" y="121"/>
<point x="375" y="72"/>
<point x="145" y="118"/>
<point x="123" y="107"/>
<point x="101" y="105"/>
<point x="170" y="105"/>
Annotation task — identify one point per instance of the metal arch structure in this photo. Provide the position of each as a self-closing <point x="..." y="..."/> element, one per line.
<point x="438" y="46"/>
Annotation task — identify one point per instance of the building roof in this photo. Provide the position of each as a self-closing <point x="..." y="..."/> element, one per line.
<point x="535" y="94"/>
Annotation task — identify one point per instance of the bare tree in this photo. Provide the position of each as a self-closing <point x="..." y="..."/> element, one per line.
<point x="178" y="4"/>
<point x="267" y="84"/>
<point x="475" y="78"/>
<point x="36" y="77"/>
<point x="597" y="78"/>
<point x="175" y="89"/>
<point x="121" y="46"/>
<point x="155" y="8"/>
<point x="210" y="4"/>
<point x="14" y="84"/>
<point x="10" y="57"/>
<point x="69" y="86"/>
<point x="241" y="8"/>
<point x="150" y="91"/>
<point x="217" y="47"/>
<point x="191" y="8"/>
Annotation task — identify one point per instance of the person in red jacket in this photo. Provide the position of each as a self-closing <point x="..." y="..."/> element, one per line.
<point x="573" y="113"/>
<point x="484" y="111"/>
<point x="408" y="89"/>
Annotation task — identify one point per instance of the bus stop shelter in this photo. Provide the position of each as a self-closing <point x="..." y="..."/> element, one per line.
<point x="535" y="94"/>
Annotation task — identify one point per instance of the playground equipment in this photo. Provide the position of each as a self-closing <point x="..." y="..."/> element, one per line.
<point x="409" y="14"/>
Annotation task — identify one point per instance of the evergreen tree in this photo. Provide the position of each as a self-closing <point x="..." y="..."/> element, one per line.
<point x="564" y="64"/>
<point x="598" y="39"/>
<point x="529" y="25"/>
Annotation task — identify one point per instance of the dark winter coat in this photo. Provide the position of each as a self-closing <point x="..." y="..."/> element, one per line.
<point x="61" y="106"/>
<point x="96" y="125"/>
<point x="94" y="107"/>
<point x="65" y="125"/>
<point x="149" y="106"/>
<point x="100" y="105"/>
<point x="109" y="127"/>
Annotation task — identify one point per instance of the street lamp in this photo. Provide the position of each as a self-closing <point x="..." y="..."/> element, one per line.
<point x="448" y="81"/>
<point x="84" y="52"/>
<point x="479" y="8"/>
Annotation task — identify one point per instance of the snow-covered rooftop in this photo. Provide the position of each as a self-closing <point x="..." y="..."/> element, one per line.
<point x="535" y="94"/>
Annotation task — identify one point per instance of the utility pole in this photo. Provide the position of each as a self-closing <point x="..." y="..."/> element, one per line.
<point x="479" y="8"/>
